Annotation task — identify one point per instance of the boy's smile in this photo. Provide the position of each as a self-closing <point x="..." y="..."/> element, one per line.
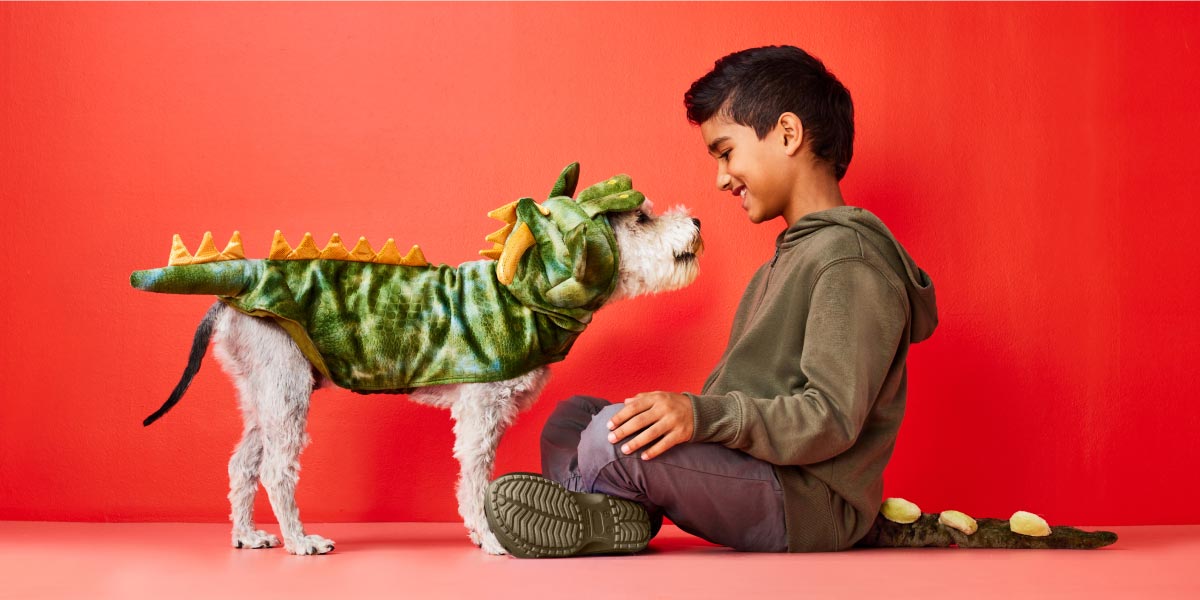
<point x="763" y="174"/>
<point x="757" y="171"/>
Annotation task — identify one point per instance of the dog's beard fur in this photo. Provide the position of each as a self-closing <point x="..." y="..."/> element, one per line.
<point x="657" y="252"/>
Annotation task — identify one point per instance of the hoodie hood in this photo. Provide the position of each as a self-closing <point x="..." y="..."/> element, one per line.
<point x="917" y="282"/>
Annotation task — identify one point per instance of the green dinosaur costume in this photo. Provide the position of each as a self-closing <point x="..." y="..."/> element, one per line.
<point x="374" y="327"/>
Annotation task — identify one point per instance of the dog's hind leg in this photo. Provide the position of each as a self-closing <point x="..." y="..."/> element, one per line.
<point x="481" y="414"/>
<point x="233" y="334"/>
<point x="243" y="485"/>
<point x="274" y="381"/>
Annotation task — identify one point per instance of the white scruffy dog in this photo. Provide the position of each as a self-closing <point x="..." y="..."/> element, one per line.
<point x="275" y="380"/>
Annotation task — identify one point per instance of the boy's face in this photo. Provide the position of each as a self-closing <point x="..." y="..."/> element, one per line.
<point x="757" y="172"/>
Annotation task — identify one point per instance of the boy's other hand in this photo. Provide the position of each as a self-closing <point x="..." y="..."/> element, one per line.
<point x="664" y="416"/>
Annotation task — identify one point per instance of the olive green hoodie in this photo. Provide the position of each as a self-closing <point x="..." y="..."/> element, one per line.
<point x="813" y="378"/>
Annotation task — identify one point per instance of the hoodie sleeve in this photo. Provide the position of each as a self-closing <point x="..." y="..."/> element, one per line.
<point x="853" y="331"/>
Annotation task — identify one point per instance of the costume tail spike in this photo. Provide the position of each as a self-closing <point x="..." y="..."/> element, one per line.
<point x="233" y="250"/>
<point x="335" y="249"/>
<point x="307" y="249"/>
<point x="280" y="249"/>
<point x="388" y="255"/>
<point x="179" y="253"/>
<point x="207" y="252"/>
<point x="414" y="258"/>
<point x="362" y="251"/>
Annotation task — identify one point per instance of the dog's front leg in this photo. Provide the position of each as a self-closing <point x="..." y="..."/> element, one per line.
<point x="481" y="414"/>
<point x="477" y="430"/>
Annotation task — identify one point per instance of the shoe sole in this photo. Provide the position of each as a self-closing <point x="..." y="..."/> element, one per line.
<point x="536" y="517"/>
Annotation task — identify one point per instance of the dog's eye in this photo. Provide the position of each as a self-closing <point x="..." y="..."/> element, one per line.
<point x="642" y="217"/>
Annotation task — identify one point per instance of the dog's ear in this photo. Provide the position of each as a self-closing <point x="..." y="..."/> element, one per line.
<point x="573" y="292"/>
<point x="567" y="180"/>
<point x="615" y="194"/>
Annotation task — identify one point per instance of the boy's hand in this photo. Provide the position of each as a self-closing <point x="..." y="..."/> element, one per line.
<point x="665" y="416"/>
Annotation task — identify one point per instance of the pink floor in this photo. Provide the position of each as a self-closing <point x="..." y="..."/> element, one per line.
<point x="435" y="560"/>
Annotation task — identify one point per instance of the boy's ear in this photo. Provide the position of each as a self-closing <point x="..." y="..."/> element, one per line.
<point x="793" y="132"/>
<point x="567" y="180"/>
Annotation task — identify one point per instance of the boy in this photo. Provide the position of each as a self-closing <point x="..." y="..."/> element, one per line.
<point x="784" y="447"/>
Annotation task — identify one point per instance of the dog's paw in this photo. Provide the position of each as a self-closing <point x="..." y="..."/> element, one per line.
<point x="487" y="541"/>
<point x="254" y="539"/>
<point x="309" y="544"/>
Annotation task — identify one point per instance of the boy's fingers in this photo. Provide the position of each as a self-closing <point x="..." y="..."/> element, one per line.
<point x="667" y="442"/>
<point x="631" y="426"/>
<point x="630" y="409"/>
<point x="650" y="434"/>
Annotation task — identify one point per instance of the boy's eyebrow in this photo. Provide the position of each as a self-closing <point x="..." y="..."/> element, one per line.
<point x="717" y="142"/>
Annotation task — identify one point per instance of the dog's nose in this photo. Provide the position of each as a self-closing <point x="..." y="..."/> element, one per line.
<point x="697" y="222"/>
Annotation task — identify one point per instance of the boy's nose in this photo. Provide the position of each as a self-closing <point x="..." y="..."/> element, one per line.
<point x="697" y="222"/>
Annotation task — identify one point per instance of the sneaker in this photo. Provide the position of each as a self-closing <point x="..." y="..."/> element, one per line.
<point x="536" y="517"/>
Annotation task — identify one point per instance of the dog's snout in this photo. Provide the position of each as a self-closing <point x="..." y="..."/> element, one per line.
<point x="697" y="222"/>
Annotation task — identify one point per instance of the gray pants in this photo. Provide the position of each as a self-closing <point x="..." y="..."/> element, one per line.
<point x="716" y="493"/>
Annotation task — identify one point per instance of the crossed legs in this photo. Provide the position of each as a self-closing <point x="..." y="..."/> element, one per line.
<point x="716" y="493"/>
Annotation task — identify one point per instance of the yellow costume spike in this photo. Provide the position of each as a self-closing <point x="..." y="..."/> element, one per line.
<point x="414" y="258"/>
<point x="492" y="253"/>
<point x="362" y="251"/>
<point x="388" y="254"/>
<point x="280" y="249"/>
<point x="545" y="211"/>
<point x="518" y="243"/>
<point x="335" y="250"/>
<point x="306" y="249"/>
<point x="233" y="250"/>
<point x="506" y="213"/>
<point x="207" y="252"/>
<point x="179" y="253"/>
<point x="498" y="236"/>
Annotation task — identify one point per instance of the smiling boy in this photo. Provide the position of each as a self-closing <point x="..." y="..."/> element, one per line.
<point x="784" y="447"/>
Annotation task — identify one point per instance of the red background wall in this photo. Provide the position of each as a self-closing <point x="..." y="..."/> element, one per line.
<point x="1037" y="160"/>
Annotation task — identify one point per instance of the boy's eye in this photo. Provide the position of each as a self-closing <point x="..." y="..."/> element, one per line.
<point x="725" y="155"/>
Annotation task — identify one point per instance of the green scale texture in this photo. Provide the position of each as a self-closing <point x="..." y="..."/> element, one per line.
<point x="373" y="327"/>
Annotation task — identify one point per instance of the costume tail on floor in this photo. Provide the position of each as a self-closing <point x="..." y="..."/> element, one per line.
<point x="199" y="347"/>
<point x="900" y="524"/>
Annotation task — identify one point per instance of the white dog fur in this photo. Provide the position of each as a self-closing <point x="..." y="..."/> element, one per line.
<point x="274" y="383"/>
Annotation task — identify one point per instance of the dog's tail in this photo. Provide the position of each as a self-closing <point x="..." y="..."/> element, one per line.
<point x="199" y="347"/>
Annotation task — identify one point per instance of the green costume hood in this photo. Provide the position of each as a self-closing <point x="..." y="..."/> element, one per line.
<point x="375" y="327"/>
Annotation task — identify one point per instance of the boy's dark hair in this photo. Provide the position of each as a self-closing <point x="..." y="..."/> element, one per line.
<point x="754" y="86"/>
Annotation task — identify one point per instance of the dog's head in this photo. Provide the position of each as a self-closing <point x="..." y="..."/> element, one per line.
<point x="568" y="256"/>
<point x="658" y="252"/>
